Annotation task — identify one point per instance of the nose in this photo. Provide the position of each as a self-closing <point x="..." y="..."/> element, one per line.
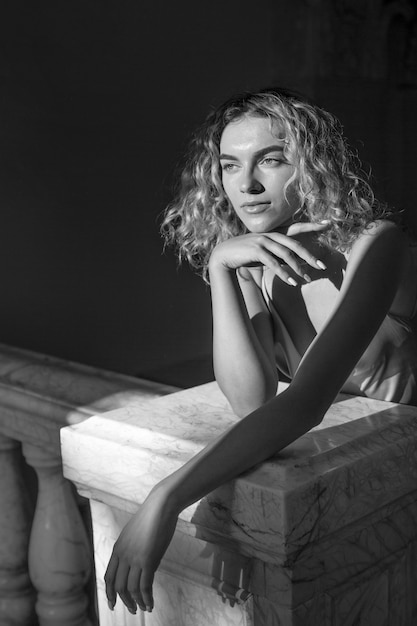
<point x="249" y="183"/>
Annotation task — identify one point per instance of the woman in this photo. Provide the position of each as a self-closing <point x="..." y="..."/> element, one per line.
<point x="309" y="277"/>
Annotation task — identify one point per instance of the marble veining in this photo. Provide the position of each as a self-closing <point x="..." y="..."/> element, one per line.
<point x="185" y="591"/>
<point x="327" y="524"/>
<point x="359" y="458"/>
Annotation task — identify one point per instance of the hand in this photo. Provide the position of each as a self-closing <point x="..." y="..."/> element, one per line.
<point x="138" y="552"/>
<point x="273" y="250"/>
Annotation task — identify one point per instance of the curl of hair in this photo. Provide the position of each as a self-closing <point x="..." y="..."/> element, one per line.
<point x="328" y="180"/>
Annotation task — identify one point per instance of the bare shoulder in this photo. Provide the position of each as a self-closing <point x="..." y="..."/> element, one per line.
<point x="381" y="238"/>
<point x="382" y="228"/>
<point x="382" y="254"/>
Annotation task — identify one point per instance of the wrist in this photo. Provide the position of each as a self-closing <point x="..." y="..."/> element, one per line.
<point x="217" y="265"/>
<point x="167" y="495"/>
<point x="215" y="260"/>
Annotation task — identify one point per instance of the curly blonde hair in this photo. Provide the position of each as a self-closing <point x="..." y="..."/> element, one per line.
<point x="328" y="181"/>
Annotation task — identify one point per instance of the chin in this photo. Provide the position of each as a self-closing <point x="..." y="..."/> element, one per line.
<point x="264" y="227"/>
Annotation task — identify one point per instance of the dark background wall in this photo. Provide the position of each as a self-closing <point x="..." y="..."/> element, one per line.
<point x="97" y="100"/>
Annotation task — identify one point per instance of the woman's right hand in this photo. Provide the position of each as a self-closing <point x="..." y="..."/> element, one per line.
<point x="138" y="551"/>
<point x="274" y="250"/>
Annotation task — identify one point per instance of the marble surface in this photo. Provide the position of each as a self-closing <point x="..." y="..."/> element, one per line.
<point x="73" y="383"/>
<point x="324" y="533"/>
<point x="354" y="463"/>
<point x="186" y="585"/>
<point x="39" y="394"/>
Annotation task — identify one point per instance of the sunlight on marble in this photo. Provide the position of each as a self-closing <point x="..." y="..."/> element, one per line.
<point x="46" y="560"/>
<point x="184" y="587"/>
<point x="326" y="523"/>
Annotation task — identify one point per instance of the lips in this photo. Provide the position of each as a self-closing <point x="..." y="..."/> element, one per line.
<point x="255" y="207"/>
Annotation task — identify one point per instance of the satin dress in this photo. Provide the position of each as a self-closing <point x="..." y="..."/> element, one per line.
<point x="387" y="369"/>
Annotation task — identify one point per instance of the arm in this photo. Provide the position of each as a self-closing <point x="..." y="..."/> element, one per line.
<point x="243" y="346"/>
<point x="369" y="287"/>
<point x="243" y="358"/>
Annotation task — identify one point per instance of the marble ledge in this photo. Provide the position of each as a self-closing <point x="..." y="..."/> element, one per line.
<point x="40" y="393"/>
<point x="360" y="459"/>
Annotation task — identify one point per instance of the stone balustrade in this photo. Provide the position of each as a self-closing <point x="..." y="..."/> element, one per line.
<point x="324" y="534"/>
<point x="46" y="561"/>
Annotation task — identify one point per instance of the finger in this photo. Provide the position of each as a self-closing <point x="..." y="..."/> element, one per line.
<point x="146" y="582"/>
<point x="120" y="585"/>
<point x="284" y="256"/>
<point x="290" y="259"/>
<point x="283" y="241"/>
<point x="306" y="227"/>
<point x="133" y="587"/>
<point x="271" y="261"/>
<point x="109" y="577"/>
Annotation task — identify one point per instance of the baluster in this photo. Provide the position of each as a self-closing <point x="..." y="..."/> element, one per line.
<point x="59" y="552"/>
<point x="17" y="596"/>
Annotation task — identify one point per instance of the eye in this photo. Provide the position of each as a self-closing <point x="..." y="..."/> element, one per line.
<point x="228" y="167"/>
<point x="271" y="161"/>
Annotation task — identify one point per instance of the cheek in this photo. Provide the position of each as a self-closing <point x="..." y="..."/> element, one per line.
<point x="229" y="190"/>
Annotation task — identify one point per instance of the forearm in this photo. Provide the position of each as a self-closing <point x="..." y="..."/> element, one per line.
<point x="250" y="441"/>
<point x="242" y="368"/>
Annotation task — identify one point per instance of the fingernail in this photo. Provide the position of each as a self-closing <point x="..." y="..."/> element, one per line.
<point x="307" y="278"/>
<point x="292" y="282"/>
<point x="111" y="605"/>
<point x="132" y="611"/>
<point x="321" y="265"/>
<point x="325" y="222"/>
<point x="148" y="608"/>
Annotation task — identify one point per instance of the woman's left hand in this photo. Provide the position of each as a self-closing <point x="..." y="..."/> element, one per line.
<point x="138" y="552"/>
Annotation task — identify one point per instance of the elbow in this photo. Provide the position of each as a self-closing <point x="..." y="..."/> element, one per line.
<point x="243" y="405"/>
<point x="244" y="397"/>
<point x="316" y="419"/>
<point x="243" y="410"/>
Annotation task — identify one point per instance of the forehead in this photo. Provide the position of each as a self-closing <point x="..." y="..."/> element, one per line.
<point x="251" y="131"/>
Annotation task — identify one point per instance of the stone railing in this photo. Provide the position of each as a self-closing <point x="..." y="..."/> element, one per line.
<point x="325" y="534"/>
<point x="46" y="564"/>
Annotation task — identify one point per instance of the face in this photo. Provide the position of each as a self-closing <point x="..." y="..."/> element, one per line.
<point x="254" y="173"/>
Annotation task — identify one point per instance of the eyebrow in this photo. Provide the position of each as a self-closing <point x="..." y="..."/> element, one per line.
<point x="273" y="148"/>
